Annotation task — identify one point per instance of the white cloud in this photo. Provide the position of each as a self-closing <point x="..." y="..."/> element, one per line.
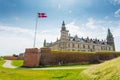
<point x="70" y="11"/>
<point x="116" y="32"/>
<point x="114" y="2"/>
<point x="86" y="29"/>
<point x="93" y="28"/>
<point x="106" y="17"/>
<point x="59" y="6"/>
<point x="14" y="40"/>
<point x="117" y="13"/>
<point x="15" y="30"/>
<point x="16" y="18"/>
<point x="73" y="29"/>
<point x="91" y="23"/>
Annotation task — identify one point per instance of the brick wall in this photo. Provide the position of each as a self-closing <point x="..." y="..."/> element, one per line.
<point x="21" y="56"/>
<point x="31" y="57"/>
<point x="45" y="56"/>
<point x="10" y="57"/>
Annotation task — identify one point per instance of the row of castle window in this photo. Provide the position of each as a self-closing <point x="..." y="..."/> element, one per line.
<point x="86" y="46"/>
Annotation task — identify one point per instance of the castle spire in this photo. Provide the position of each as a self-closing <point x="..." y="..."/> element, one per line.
<point x="110" y="39"/>
<point x="109" y="33"/>
<point x="44" y="44"/>
<point x="63" y="23"/>
<point x="63" y="26"/>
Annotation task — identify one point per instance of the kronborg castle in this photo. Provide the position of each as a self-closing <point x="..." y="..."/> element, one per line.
<point x="71" y="50"/>
<point x="67" y="42"/>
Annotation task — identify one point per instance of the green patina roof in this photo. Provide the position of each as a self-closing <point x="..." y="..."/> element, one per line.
<point x="109" y="33"/>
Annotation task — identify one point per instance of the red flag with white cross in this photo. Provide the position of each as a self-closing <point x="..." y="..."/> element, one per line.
<point x="42" y="15"/>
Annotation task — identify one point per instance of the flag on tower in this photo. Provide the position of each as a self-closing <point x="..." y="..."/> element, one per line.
<point x="42" y="15"/>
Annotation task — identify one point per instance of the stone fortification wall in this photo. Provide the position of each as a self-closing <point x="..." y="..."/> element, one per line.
<point x="49" y="57"/>
<point x="31" y="57"/>
<point x="10" y="57"/>
<point x="34" y="58"/>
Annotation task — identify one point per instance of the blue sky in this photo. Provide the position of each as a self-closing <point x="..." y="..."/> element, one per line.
<point x="82" y="17"/>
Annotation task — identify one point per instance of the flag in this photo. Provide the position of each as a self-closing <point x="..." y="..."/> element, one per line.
<point x="42" y="15"/>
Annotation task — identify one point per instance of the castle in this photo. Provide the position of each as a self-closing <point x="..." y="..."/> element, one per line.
<point x="67" y="42"/>
<point x="71" y="50"/>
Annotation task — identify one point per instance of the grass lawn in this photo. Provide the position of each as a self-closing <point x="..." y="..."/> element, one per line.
<point x="109" y="70"/>
<point x="26" y="74"/>
<point x="66" y="66"/>
<point x="17" y="63"/>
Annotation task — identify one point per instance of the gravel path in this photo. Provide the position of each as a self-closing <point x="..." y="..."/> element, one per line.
<point x="64" y="68"/>
<point x="7" y="64"/>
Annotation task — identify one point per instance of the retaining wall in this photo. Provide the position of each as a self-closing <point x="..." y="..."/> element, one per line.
<point x="33" y="57"/>
<point x="49" y="57"/>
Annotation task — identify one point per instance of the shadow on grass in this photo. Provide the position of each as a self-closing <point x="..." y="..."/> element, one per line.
<point x="50" y="66"/>
<point x="61" y="76"/>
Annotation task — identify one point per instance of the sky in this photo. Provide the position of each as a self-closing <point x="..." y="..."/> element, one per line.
<point x="84" y="18"/>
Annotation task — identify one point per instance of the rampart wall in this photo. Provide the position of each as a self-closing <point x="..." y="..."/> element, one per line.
<point x="48" y="57"/>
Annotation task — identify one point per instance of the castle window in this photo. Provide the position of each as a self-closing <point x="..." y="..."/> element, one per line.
<point x="106" y="48"/>
<point x="78" y="46"/>
<point x="101" y="48"/>
<point x="88" y="46"/>
<point x="73" y="45"/>
<point x="59" y="45"/>
<point x="83" y="46"/>
<point x="68" y="44"/>
<point x="93" y="46"/>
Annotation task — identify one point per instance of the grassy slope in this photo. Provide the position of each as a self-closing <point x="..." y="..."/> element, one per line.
<point x="26" y="74"/>
<point x="17" y="63"/>
<point x="109" y="70"/>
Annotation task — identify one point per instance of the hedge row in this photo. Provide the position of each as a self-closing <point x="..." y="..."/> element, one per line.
<point x="49" y="57"/>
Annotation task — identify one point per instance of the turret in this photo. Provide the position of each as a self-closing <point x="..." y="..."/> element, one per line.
<point x="44" y="44"/>
<point x="110" y="39"/>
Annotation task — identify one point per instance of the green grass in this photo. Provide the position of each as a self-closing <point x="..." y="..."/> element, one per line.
<point x="17" y="63"/>
<point x="66" y="66"/>
<point x="109" y="70"/>
<point x="26" y="74"/>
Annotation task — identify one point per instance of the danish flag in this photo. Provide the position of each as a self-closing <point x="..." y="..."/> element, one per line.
<point x="42" y="15"/>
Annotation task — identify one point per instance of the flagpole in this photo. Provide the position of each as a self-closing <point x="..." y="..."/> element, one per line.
<point x="35" y="31"/>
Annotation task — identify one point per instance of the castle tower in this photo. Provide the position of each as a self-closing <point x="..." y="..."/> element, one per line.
<point x="110" y="39"/>
<point x="64" y="37"/>
<point x="64" y="32"/>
